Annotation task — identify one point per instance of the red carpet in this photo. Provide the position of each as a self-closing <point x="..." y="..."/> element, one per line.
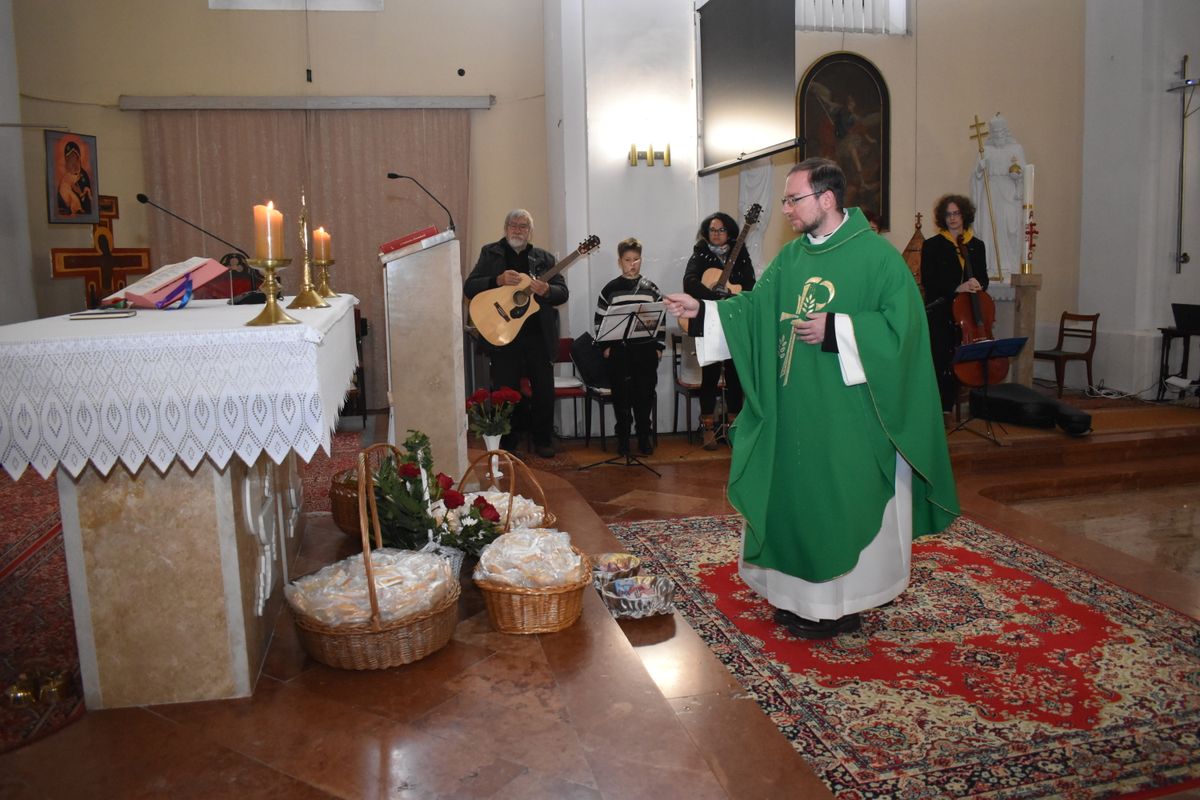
<point x="37" y="630"/>
<point x="318" y="472"/>
<point x="1001" y="671"/>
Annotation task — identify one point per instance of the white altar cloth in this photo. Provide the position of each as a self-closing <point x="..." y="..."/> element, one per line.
<point x="180" y="384"/>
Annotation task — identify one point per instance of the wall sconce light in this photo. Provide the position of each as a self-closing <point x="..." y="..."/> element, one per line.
<point x="648" y="155"/>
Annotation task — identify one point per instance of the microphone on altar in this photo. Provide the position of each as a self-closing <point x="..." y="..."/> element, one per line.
<point x="229" y="259"/>
<point x="395" y="176"/>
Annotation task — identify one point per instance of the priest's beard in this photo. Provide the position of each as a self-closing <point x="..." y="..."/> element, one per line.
<point x="517" y="243"/>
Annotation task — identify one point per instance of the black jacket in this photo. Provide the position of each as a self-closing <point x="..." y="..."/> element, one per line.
<point x="703" y="259"/>
<point x="497" y="257"/>
<point x="941" y="273"/>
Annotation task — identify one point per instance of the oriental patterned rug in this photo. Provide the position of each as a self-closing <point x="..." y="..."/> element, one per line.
<point x="321" y="469"/>
<point x="1001" y="671"/>
<point x="37" y="629"/>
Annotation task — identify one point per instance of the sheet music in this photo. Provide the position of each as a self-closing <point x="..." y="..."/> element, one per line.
<point x="631" y="322"/>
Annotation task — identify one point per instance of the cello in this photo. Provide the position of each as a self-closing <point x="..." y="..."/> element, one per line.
<point x="974" y="313"/>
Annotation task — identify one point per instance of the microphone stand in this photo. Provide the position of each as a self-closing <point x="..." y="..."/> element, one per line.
<point x="395" y="176"/>
<point x="238" y="257"/>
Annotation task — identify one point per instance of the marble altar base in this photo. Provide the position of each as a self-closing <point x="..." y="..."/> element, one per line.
<point x="176" y="577"/>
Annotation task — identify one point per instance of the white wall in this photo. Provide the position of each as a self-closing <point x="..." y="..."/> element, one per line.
<point x="17" y="300"/>
<point x="1130" y="184"/>
<point x="636" y="61"/>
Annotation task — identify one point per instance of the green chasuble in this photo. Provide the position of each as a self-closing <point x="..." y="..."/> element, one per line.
<point x="814" y="460"/>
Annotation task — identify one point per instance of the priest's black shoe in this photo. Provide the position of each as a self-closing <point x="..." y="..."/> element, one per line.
<point x="821" y="629"/>
<point x="644" y="446"/>
<point x="544" y="450"/>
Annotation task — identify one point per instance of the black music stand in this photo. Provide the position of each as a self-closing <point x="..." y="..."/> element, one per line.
<point x="984" y="352"/>
<point x="619" y="325"/>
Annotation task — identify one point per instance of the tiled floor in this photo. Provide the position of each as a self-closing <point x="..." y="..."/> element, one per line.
<point x="596" y="711"/>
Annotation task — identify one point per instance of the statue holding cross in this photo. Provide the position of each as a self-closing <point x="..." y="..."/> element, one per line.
<point x="998" y="185"/>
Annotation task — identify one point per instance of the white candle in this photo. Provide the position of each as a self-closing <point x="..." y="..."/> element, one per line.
<point x="320" y="245"/>
<point x="1029" y="185"/>
<point x="268" y="232"/>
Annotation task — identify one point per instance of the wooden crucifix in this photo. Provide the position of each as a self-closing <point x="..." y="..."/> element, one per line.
<point x="104" y="268"/>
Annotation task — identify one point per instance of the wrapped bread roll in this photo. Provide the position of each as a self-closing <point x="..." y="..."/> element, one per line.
<point x="532" y="558"/>
<point x="525" y="512"/>
<point x="406" y="583"/>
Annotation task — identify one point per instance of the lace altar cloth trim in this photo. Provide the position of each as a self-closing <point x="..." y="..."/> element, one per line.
<point x="171" y="384"/>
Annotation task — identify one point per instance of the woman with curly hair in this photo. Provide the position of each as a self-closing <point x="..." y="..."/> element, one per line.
<point x="944" y="275"/>
<point x="717" y="234"/>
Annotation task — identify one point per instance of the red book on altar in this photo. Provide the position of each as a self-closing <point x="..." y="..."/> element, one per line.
<point x="405" y="241"/>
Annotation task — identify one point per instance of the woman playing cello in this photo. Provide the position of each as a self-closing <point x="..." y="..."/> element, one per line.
<point x="952" y="262"/>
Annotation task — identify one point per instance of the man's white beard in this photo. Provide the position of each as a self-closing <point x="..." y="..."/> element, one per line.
<point x="516" y="243"/>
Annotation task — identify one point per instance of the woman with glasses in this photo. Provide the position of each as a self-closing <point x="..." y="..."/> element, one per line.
<point x="944" y="274"/>
<point x="713" y="243"/>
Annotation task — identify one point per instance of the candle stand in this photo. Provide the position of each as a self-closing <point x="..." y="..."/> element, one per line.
<point x="323" y="287"/>
<point x="271" y="314"/>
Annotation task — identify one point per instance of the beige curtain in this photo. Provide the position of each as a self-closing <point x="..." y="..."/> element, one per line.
<point x="212" y="167"/>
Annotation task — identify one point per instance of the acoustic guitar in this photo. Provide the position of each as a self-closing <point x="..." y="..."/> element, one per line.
<point x="718" y="279"/>
<point x="499" y="313"/>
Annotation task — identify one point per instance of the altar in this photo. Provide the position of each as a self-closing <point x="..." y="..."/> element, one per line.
<point x="174" y="436"/>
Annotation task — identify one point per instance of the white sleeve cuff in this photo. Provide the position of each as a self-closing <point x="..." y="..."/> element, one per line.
<point x="848" y="358"/>
<point x="712" y="346"/>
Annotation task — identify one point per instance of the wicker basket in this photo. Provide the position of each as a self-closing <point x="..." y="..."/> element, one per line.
<point x="480" y="474"/>
<point x="376" y="644"/>
<point x="343" y="502"/>
<point x="518" y="609"/>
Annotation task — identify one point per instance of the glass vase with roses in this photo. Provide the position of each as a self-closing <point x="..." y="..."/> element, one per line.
<point x="490" y="413"/>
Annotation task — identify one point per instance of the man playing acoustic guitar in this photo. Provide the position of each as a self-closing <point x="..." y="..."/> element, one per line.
<point x="531" y="353"/>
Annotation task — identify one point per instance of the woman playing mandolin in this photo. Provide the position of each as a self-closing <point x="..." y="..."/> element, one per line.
<point x="713" y="243"/>
<point x="952" y="262"/>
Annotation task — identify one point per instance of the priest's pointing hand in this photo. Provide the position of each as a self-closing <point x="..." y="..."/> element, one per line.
<point x="811" y="330"/>
<point x="682" y="305"/>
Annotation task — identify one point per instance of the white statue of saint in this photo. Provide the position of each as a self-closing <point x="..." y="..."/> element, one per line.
<point x="1003" y="161"/>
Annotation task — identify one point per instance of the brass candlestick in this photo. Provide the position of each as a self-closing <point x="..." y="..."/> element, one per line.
<point x="307" y="297"/>
<point x="323" y="278"/>
<point x="271" y="314"/>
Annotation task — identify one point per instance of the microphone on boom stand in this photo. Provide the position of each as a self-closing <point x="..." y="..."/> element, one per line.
<point x="394" y="176"/>
<point x="232" y="260"/>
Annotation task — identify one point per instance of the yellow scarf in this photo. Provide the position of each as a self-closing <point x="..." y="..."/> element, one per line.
<point x="967" y="236"/>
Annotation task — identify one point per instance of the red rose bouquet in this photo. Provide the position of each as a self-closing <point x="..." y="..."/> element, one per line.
<point x="490" y="413"/>
<point x="417" y="506"/>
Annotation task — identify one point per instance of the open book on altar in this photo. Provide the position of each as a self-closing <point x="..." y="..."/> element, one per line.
<point x="164" y="281"/>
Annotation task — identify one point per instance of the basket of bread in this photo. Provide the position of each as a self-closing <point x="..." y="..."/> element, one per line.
<point x="532" y="581"/>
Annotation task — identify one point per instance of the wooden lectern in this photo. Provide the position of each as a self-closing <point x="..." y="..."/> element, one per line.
<point x="424" y="322"/>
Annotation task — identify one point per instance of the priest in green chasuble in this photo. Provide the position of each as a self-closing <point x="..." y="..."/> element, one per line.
<point x="839" y="454"/>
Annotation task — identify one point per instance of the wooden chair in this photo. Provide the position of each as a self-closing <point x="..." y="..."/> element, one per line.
<point x="686" y="373"/>
<point x="1072" y="326"/>
<point x="589" y="366"/>
<point x="569" y="386"/>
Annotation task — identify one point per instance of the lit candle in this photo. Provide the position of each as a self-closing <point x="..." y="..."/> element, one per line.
<point x="321" y="247"/>
<point x="268" y="232"/>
